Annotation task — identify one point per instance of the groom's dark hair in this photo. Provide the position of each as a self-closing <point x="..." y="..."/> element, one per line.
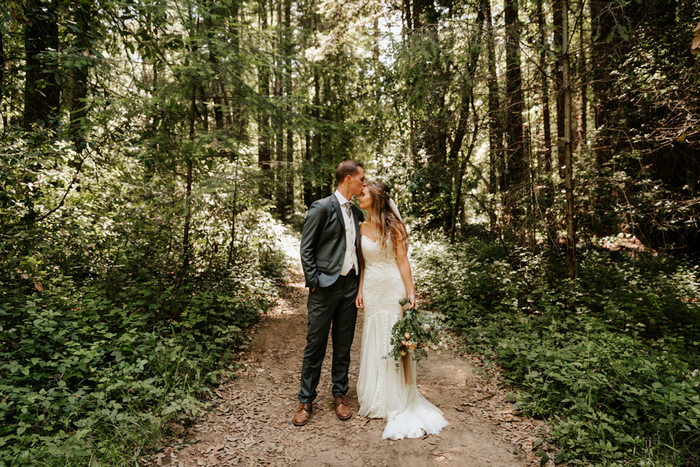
<point x="346" y="168"/>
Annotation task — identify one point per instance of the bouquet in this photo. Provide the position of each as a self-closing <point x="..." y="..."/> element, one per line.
<point x="418" y="331"/>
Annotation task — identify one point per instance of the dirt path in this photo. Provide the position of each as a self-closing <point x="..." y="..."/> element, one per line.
<point x="251" y="423"/>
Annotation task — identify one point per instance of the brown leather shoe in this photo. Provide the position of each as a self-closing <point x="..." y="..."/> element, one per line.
<point x="342" y="409"/>
<point x="301" y="416"/>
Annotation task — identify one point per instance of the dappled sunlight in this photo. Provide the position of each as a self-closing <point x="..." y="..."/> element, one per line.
<point x="287" y="242"/>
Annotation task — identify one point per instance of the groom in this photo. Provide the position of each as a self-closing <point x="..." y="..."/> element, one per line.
<point x="329" y="257"/>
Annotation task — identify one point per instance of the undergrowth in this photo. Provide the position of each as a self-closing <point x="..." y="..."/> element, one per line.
<point x="610" y="359"/>
<point x="95" y="370"/>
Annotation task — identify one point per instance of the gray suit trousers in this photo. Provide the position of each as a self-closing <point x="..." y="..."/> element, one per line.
<point x="333" y="308"/>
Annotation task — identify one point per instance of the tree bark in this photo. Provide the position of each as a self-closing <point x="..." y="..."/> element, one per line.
<point x="219" y="115"/>
<point x="234" y="213"/>
<point x="5" y="121"/>
<point x="2" y="61"/>
<point x="280" y="186"/>
<point x="78" y="105"/>
<point x="289" y="47"/>
<point x="407" y="12"/>
<point x="417" y="10"/>
<point x="583" y="73"/>
<point x="546" y="160"/>
<point x="568" y="157"/>
<point x="602" y="20"/>
<point x="516" y="163"/>
<point x="41" y="90"/>
<point x="496" y="153"/>
<point x="558" y="87"/>
<point x="313" y="146"/>
<point x="188" y="191"/>
<point x="264" y="149"/>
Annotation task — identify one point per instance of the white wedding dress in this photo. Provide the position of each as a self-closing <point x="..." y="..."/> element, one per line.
<point x="381" y="389"/>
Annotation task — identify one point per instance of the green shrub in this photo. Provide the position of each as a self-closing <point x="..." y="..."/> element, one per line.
<point x="91" y="371"/>
<point x="611" y="359"/>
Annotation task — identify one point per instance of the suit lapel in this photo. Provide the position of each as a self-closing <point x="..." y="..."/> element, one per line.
<point x="336" y="205"/>
<point x="356" y="219"/>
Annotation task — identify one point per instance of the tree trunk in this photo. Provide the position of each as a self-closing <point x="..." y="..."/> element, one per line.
<point x="437" y="172"/>
<point x="313" y="146"/>
<point x="234" y="213"/>
<point x="219" y="115"/>
<point x="516" y="163"/>
<point x="238" y="120"/>
<point x="583" y="73"/>
<point x="467" y="94"/>
<point x="407" y="12"/>
<point x="417" y="10"/>
<point x="205" y="108"/>
<point x="281" y="186"/>
<point x="5" y="121"/>
<point x="546" y="160"/>
<point x="78" y="105"/>
<point x="496" y="153"/>
<point x="41" y="90"/>
<point x="264" y="149"/>
<point x="568" y="157"/>
<point x="188" y="191"/>
<point x="602" y="20"/>
<point x="2" y="61"/>
<point x="289" y="47"/>
<point x="462" y="168"/>
<point x="558" y="87"/>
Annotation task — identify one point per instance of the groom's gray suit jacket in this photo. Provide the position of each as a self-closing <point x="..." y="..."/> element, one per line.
<point x="323" y="241"/>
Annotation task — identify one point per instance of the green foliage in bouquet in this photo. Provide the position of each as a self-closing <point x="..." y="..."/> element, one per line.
<point x="419" y="330"/>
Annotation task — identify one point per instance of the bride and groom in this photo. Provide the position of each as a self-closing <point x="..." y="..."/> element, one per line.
<point x="350" y="264"/>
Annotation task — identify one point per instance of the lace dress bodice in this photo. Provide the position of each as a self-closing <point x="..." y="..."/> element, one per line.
<point x="382" y="286"/>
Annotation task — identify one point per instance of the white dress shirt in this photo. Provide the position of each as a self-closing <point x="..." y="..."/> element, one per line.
<point x="350" y="260"/>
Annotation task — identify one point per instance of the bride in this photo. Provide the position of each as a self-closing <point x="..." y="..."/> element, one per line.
<point x="384" y="392"/>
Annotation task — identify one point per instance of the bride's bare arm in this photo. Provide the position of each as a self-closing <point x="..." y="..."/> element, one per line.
<point x="359" y="300"/>
<point x="405" y="269"/>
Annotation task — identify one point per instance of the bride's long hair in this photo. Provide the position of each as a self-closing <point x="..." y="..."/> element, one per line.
<point x="381" y="215"/>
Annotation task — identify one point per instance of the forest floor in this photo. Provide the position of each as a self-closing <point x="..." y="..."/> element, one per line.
<point x="251" y="422"/>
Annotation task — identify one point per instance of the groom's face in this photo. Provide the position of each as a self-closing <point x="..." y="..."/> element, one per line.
<point x="357" y="182"/>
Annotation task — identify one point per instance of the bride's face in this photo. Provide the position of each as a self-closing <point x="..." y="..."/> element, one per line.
<point x="365" y="199"/>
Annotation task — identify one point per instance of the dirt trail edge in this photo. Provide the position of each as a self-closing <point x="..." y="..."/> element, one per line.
<point x="251" y="423"/>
